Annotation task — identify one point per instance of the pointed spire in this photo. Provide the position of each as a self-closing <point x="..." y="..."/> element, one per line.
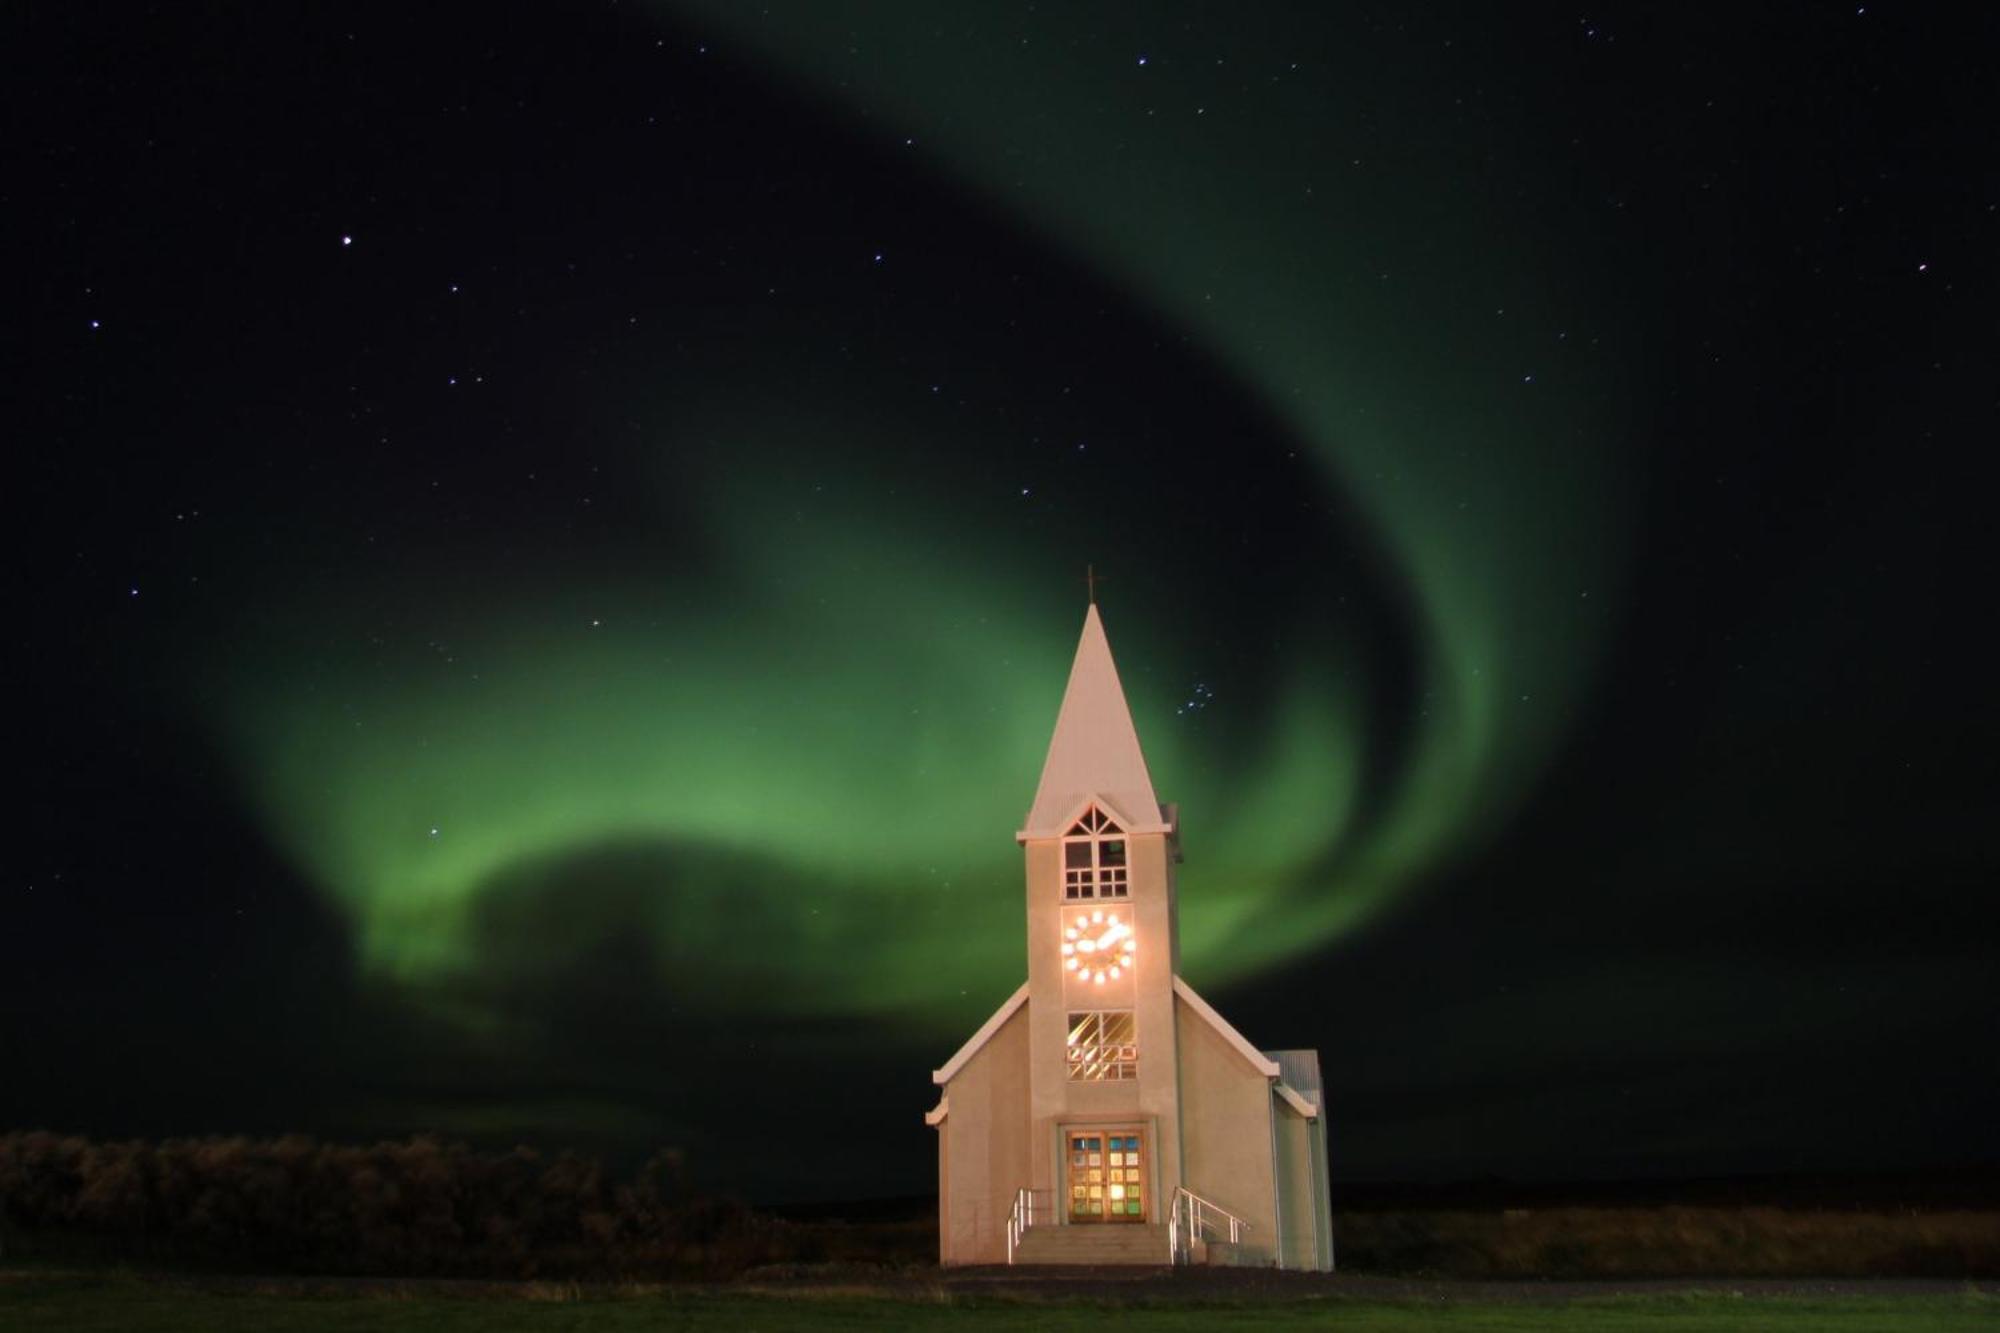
<point x="1095" y="751"/>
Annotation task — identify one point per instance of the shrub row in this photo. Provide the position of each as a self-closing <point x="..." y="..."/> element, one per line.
<point x="1672" y="1241"/>
<point x="417" y="1207"/>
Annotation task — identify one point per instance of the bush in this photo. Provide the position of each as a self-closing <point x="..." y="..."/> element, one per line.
<point x="1672" y="1241"/>
<point x="416" y="1207"/>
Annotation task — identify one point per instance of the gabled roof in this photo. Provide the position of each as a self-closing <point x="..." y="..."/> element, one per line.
<point x="1258" y="1060"/>
<point x="979" y="1038"/>
<point x="1300" y="1070"/>
<point x="1094" y="754"/>
<point x="1306" y="1107"/>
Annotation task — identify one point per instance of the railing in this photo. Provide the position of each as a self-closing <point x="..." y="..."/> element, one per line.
<point x="1190" y="1220"/>
<point x="1024" y="1214"/>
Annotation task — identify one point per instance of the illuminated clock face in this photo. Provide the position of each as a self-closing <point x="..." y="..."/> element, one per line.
<point x="1097" y="946"/>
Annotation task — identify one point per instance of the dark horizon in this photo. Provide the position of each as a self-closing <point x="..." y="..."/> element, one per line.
<point x="550" y="540"/>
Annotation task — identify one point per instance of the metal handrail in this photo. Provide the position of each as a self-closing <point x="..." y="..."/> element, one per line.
<point x="1200" y="1213"/>
<point x="1022" y="1216"/>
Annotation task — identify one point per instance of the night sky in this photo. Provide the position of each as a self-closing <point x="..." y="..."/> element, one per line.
<point x="549" y="541"/>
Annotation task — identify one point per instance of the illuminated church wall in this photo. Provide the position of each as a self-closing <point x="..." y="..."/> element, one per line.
<point x="983" y="1151"/>
<point x="1227" y="1141"/>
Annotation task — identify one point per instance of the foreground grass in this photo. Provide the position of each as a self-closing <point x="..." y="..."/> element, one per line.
<point x="61" y="1303"/>
<point x="1672" y="1241"/>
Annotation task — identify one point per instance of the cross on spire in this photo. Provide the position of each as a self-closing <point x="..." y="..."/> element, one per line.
<point x="1091" y="578"/>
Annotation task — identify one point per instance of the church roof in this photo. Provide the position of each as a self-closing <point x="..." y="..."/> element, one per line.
<point x="1259" y="1061"/>
<point x="977" y="1040"/>
<point x="1094" y="754"/>
<point x="1298" y="1080"/>
<point x="1274" y="1065"/>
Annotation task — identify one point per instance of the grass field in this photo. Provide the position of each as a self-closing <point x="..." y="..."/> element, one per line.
<point x="60" y="1303"/>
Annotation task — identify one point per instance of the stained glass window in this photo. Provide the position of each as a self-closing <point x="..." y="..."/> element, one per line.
<point x="1106" y="1178"/>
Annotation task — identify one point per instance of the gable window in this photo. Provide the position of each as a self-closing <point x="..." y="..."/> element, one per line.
<point x="1103" y="1046"/>
<point x="1094" y="858"/>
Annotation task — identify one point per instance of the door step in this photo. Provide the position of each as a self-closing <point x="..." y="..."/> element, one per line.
<point x="1101" y="1243"/>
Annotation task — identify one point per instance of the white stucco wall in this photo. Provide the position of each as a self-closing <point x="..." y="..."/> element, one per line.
<point x="1226" y="1130"/>
<point x="983" y="1147"/>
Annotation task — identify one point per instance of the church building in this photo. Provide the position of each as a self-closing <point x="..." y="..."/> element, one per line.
<point x="1106" y="1113"/>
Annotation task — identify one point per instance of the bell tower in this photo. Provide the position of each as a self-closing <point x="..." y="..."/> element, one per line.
<point x="1103" y="949"/>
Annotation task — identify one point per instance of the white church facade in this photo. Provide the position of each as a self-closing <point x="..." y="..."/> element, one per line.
<point x="1106" y="1113"/>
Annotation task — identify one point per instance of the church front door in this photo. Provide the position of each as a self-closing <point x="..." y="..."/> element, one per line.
<point x="1107" y="1175"/>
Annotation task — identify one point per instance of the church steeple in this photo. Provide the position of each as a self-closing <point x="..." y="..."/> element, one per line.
<point x="1105" y="1085"/>
<point x="1094" y="754"/>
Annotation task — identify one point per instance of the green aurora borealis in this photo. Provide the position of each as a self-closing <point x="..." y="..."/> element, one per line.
<point x="847" y="709"/>
<point x="551" y="539"/>
<point x="865" y="785"/>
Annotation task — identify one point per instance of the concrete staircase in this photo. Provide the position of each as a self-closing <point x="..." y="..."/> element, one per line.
<point x="1101" y="1243"/>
